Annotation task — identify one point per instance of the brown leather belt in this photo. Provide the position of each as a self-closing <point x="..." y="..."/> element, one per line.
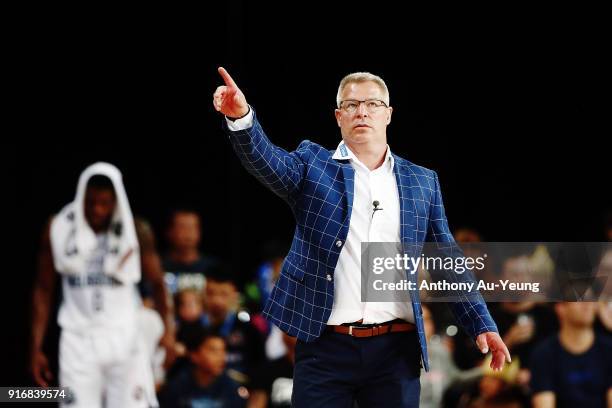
<point x="374" y="330"/>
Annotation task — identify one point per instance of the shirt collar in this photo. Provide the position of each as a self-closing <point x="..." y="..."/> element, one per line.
<point x="344" y="153"/>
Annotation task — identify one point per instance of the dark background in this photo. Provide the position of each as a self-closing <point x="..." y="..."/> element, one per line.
<point x="508" y="109"/>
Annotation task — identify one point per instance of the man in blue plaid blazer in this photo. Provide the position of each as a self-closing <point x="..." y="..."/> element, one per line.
<point x="339" y="361"/>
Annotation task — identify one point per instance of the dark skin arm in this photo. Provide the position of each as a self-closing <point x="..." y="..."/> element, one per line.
<point x="44" y="288"/>
<point x="152" y="271"/>
<point x="42" y="299"/>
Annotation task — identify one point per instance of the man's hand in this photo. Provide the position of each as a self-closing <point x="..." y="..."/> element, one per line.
<point x="229" y="99"/>
<point x="491" y="341"/>
<point x="40" y="368"/>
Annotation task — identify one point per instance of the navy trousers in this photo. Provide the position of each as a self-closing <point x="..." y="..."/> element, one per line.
<point x="337" y="370"/>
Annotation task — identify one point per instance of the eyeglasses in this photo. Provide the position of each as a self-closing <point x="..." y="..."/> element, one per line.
<point x="372" y="105"/>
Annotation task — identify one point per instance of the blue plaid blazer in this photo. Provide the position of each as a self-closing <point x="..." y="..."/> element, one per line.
<point x="319" y="190"/>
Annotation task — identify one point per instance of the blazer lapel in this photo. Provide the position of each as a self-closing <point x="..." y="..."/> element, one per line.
<point x="407" y="208"/>
<point x="349" y="185"/>
<point x="408" y="225"/>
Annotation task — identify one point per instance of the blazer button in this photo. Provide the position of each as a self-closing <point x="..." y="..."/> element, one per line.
<point x="338" y="243"/>
<point x="329" y="277"/>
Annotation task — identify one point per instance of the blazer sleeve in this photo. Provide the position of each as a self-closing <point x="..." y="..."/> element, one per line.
<point x="280" y="171"/>
<point x="469" y="309"/>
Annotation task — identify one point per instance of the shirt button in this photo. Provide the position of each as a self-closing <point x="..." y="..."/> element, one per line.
<point x="338" y="243"/>
<point x="329" y="277"/>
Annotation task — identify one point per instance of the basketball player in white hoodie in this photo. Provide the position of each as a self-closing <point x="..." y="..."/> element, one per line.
<point x="93" y="246"/>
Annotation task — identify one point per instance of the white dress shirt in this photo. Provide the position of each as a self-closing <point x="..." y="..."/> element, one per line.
<point x="365" y="226"/>
<point x="370" y="185"/>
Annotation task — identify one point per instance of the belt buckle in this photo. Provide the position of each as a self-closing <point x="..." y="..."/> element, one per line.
<point x="350" y="330"/>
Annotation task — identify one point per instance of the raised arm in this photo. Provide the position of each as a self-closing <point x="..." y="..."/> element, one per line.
<point x="277" y="169"/>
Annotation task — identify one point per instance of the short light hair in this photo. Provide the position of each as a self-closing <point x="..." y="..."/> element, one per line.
<point x="359" y="77"/>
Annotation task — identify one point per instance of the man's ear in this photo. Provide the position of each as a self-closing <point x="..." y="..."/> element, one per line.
<point x="338" y="114"/>
<point x="389" y="116"/>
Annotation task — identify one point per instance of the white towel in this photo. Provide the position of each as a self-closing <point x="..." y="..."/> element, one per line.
<point x="73" y="240"/>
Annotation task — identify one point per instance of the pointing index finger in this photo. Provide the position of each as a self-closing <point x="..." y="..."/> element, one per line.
<point x="227" y="78"/>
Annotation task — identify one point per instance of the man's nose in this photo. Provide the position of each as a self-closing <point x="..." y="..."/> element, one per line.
<point x="362" y="111"/>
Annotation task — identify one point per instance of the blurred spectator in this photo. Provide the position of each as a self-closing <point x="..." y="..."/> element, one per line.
<point x="205" y="383"/>
<point x="190" y="312"/>
<point x="522" y="325"/>
<point x="443" y="370"/>
<point x="573" y="368"/>
<point x="245" y="348"/>
<point x="471" y="243"/>
<point x="269" y="270"/>
<point x="467" y="235"/>
<point x="508" y="396"/>
<point x="184" y="264"/>
<point x="156" y="296"/>
<point x="258" y="290"/>
<point x="492" y="389"/>
<point x="189" y="305"/>
<point x="272" y="384"/>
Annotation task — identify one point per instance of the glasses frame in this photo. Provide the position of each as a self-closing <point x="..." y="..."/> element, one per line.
<point x="373" y="110"/>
